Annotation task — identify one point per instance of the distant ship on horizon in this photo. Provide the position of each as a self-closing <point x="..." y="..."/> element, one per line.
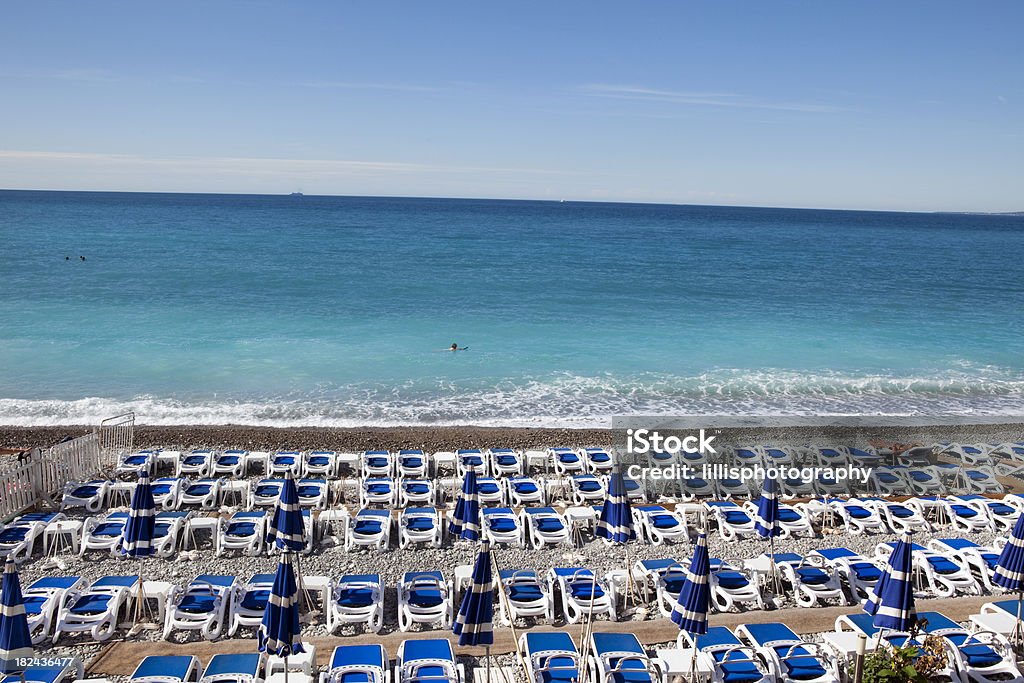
<point x="296" y="194"/>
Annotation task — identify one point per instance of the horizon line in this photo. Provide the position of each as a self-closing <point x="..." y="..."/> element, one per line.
<point x="525" y="199"/>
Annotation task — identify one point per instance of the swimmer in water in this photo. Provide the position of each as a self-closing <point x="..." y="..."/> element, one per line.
<point x="456" y="347"/>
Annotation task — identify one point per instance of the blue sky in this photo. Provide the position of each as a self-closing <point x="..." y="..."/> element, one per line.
<point x="875" y="105"/>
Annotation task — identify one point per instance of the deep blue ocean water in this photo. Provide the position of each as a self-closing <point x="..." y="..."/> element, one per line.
<point x="334" y="311"/>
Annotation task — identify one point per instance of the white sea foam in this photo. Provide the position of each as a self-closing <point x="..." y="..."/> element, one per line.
<point x="560" y="401"/>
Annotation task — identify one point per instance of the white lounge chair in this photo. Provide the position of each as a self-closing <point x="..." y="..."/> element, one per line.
<point x="619" y="657"/>
<point x="793" y="659"/>
<point x="378" y="491"/>
<point x="97" y="609"/>
<point x="586" y="489"/>
<point x="860" y="573"/>
<point x="196" y="463"/>
<point x="657" y="525"/>
<point x="505" y="462"/>
<point x="551" y="656"/>
<point x="230" y="463"/>
<point x="18" y="537"/>
<point x="581" y="593"/>
<point x="566" y="461"/>
<point x="427" y="661"/>
<point x="358" y="664"/>
<point x="203" y="492"/>
<point x="729" y="660"/>
<point x="245" y="531"/>
<point x="544" y="526"/>
<point x="205" y="605"/>
<point x="524" y="491"/>
<point x="420" y="525"/>
<point x="732" y="521"/>
<point x="167" y="491"/>
<point x="369" y="528"/>
<point x="411" y="463"/>
<point x="501" y="525"/>
<point x="42" y="599"/>
<point x="416" y="492"/>
<point x="91" y="495"/>
<point x="103" y="533"/>
<point x="526" y="596"/>
<point x="251" y="603"/>
<point x="424" y="598"/>
<point x="240" y="668"/>
<point x="166" y="669"/>
<point x="378" y="464"/>
<point x="320" y="463"/>
<point x="356" y="599"/>
<point x="281" y="462"/>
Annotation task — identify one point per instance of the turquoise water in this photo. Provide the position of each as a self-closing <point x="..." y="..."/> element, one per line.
<point x="335" y="311"/>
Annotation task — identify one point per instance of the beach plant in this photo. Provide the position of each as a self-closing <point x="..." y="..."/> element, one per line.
<point x="907" y="664"/>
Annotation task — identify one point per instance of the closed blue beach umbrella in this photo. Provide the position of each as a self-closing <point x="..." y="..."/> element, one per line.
<point x="690" y="613"/>
<point x="1009" y="572"/>
<point x="138" y="531"/>
<point x="766" y="523"/>
<point x="286" y="529"/>
<point x="15" y="641"/>
<point x="474" y="621"/>
<point x="616" y="523"/>
<point x="466" y="520"/>
<point x="279" y="633"/>
<point x="892" y="601"/>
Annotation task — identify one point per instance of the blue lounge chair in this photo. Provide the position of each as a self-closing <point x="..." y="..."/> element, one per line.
<point x="241" y="668"/>
<point x="356" y="599"/>
<point x="552" y="657"/>
<point x="251" y="603"/>
<point x="166" y="669"/>
<point x="427" y="661"/>
<point x="793" y="659"/>
<point x="526" y="596"/>
<point x="369" y="528"/>
<point x="42" y="599"/>
<point x="501" y="525"/>
<point x="358" y="664"/>
<point x="98" y="609"/>
<point x="729" y="660"/>
<point x="424" y="598"/>
<point x="620" y="658"/>
<point x="204" y="605"/>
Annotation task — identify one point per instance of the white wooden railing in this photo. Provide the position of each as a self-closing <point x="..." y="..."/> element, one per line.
<point x="40" y="478"/>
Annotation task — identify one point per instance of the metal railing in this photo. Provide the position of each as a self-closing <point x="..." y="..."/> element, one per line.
<point x="117" y="434"/>
<point x="42" y="475"/>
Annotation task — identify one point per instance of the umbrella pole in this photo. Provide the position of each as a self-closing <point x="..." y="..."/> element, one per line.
<point x="1017" y="627"/>
<point x="508" y="610"/>
<point x="487" y="649"/>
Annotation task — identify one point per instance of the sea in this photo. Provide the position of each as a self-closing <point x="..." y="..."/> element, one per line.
<point x="337" y="311"/>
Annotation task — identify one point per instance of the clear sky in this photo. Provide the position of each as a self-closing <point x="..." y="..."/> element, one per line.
<point x="875" y="105"/>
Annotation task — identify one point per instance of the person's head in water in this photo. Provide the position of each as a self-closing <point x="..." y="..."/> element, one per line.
<point x="455" y="347"/>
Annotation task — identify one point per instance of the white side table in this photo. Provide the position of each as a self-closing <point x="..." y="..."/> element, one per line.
<point x="168" y="458"/>
<point x="581" y="517"/>
<point x="64" y="533"/>
<point x="302" y="661"/>
<point x="998" y="622"/>
<point x="463" y="580"/>
<point x="446" y="458"/>
<point x="351" y="460"/>
<point x="233" y="490"/>
<point x="316" y="584"/>
<point x="680" y="664"/>
<point x="536" y="459"/>
<point x="120" y="493"/>
<point x="844" y="644"/>
<point x="194" y="524"/>
<point x="155" y="590"/>
<point x="258" y="457"/>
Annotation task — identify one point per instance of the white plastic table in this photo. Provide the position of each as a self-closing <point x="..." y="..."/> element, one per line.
<point x="235" y="490"/>
<point x="677" y="664"/>
<point x="317" y="584"/>
<point x="120" y="493"/>
<point x="64" y="533"/>
<point x="168" y="457"/>
<point x="536" y="458"/>
<point x="155" y="590"/>
<point x="844" y="643"/>
<point x="258" y="457"/>
<point x="193" y="524"/>
<point x="302" y="661"/>
<point x="999" y="622"/>
<point x="446" y="458"/>
<point x="582" y="517"/>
